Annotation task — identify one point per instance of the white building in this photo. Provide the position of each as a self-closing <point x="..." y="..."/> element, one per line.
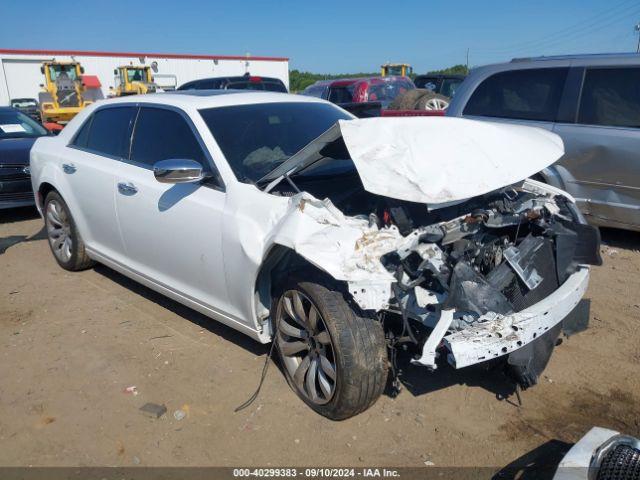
<point x="20" y="75"/>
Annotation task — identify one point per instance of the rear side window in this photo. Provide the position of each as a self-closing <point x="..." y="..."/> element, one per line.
<point x="162" y="134"/>
<point x="520" y="94"/>
<point x="110" y="131"/>
<point x="611" y="96"/>
<point x="82" y="137"/>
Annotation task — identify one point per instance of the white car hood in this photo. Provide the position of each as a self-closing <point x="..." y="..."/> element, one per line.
<point x="435" y="160"/>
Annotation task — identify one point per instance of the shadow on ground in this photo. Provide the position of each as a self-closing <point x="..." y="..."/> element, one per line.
<point x="11" y="240"/>
<point x="11" y="215"/>
<point x="187" y="313"/>
<point x="538" y="464"/>
<point x="617" y="238"/>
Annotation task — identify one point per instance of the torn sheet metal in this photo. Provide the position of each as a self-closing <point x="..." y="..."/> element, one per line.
<point x="348" y="248"/>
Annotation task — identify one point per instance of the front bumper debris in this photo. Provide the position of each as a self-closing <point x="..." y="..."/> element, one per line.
<point x="496" y="335"/>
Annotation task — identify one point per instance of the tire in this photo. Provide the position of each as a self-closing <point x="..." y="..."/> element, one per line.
<point x="352" y="343"/>
<point x="63" y="236"/>
<point x="432" y="101"/>
<point x="408" y="100"/>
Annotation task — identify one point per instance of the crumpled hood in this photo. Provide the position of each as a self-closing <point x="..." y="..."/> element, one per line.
<point x="438" y="160"/>
<point x="435" y="160"/>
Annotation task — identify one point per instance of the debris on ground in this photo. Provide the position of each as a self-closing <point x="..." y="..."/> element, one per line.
<point x="132" y="390"/>
<point x="179" y="414"/>
<point x="153" y="410"/>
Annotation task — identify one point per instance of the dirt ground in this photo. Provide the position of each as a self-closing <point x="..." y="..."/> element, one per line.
<point x="71" y="343"/>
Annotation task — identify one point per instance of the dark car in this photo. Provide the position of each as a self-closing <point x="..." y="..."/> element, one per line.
<point x="18" y="132"/>
<point x="28" y="106"/>
<point x="442" y="84"/>
<point x="244" y="82"/>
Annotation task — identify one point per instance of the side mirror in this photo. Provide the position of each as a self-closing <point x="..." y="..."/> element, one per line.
<point x="178" y="171"/>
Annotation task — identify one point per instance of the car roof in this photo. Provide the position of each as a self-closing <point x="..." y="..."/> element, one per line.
<point x="581" y="56"/>
<point x="201" y="99"/>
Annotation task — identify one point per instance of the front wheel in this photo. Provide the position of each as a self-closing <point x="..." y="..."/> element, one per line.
<point x="333" y="356"/>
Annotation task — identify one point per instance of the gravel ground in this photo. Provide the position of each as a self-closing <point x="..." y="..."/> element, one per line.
<point x="71" y="343"/>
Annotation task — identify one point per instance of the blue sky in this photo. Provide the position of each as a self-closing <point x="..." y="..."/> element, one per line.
<point x="328" y="36"/>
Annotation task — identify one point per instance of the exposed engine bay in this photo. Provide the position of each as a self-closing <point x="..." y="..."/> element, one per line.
<point x="471" y="266"/>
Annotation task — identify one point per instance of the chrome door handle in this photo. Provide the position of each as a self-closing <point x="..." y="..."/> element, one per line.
<point x="127" y="188"/>
<point x="68" y="168"/>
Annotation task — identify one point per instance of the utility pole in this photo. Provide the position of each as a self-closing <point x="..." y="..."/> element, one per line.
<point x="637" y="26"/>
<point x="638" y="32"/>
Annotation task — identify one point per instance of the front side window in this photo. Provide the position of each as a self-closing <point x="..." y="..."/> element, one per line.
<point x="532" y="94"/>
<point x="257" y="138"/>
<point x="611" y="96"/>
<point x="109" y="131"/>
<point x="162" y="134"/>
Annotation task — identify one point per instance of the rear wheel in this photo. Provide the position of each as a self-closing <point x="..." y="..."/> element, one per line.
<point x="432" y="101"/>
<point x="64" y="239"/>
<point x="332" y="355"/>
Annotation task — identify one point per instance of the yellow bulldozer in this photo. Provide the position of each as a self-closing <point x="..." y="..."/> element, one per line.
<point x="66" y="91"/>
<point x="396" y="69"/>
<point x="133" y="80"/>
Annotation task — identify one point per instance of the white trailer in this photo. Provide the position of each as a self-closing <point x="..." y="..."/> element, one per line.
<point x="20" y="75"/>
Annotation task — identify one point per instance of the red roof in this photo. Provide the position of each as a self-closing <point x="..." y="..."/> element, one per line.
<point x="139" y="54"/>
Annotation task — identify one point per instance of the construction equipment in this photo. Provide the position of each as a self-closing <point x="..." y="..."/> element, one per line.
<point x="396" y="69"/>
<point x="66" y="91"/>
<point x="133" y="80"/>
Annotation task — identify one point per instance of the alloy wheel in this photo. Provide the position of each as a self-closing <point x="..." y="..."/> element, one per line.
<point x="59" y="230"/>
<point x="306" y="347"/>
<point x="436" y="104"/>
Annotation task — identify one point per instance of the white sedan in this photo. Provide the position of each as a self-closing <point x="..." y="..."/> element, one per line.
<point x="341" y="239"/>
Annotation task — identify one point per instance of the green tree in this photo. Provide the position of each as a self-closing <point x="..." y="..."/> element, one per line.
<point x="455" y="70"/>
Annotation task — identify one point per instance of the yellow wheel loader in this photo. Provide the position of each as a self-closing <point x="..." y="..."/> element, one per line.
<point x="66" y="91"/>
<point x="396" y="69"/>
<point x="133" y="80"/>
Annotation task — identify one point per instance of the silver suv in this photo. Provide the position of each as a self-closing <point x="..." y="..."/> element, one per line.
<point x="593" y="103"/>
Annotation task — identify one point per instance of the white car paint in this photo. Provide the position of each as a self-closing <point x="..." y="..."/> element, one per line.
<point x="209" y="245"/>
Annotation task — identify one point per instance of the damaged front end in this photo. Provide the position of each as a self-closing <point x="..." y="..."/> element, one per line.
<point x="489" y="282"/>
<point x="468" y="261"/>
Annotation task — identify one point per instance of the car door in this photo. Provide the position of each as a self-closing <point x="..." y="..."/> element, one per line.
<point x="527" y="96"/>
<point x="603" y="146"/>
<point x="94" y="154"/>
<point x="172" y="232"/>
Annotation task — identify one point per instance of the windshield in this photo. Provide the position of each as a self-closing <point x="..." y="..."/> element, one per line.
<point x="257" y="138"/>
<point x="136" y="75"/>
<point x="57" y="71"/>
<point x="14" y="124"/>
